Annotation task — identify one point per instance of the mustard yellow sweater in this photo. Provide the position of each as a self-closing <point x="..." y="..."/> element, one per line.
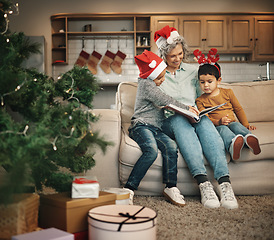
<point x="232" y="106"/>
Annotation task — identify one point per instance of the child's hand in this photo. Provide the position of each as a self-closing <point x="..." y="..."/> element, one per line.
<point x="250" y="127"/>
<point x="194" y="110"/>
<point x="225" y="120"/>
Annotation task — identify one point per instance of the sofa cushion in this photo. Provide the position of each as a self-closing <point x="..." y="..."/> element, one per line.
<point x="125" y="100"/>
<point x="265" y="134"/>
<point x="255" y="98"/>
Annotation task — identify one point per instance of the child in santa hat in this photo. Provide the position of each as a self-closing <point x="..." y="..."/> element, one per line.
<point x="146" y="125"/>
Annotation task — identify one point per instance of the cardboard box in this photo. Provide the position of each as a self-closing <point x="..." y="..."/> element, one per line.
<point x="19" y="217"/>
<point x="61" y="211"/>
<point x="47" y="234"/>
<point x="122" y="222"/>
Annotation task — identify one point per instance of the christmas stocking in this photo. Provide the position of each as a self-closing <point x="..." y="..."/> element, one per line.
<point x="117" y="62"/>
<point x="93" y="61"/>
<point x="82" y="59"/>
<point x="106" y="61"/>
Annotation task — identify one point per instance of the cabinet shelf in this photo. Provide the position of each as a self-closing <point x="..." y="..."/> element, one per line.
<point x="100" y="33"/>
<point x="59" y="48"/>
<point x="102" y="26"/>
<point x="143" y="32"/>
<point x="143" y="46"/>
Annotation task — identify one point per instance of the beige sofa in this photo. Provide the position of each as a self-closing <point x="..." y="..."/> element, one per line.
<point x="251" y="174"/>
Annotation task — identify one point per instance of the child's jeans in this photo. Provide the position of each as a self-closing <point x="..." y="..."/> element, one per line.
<point x="228" y="132"/>
<point x="149" y="139"/>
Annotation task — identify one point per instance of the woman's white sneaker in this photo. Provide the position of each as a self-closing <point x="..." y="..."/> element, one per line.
<point x="208" y="196"/>
<point x="174" y="196"/>
<point x="228" y="199"/>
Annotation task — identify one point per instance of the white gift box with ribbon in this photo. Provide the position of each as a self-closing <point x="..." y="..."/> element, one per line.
<point x="85" y="187"/>
<point x="122" y="222"/>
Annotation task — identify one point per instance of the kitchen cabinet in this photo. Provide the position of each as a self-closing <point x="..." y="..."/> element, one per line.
<point x="240" y="34"/>
<point x="249" y="34"/>
<point x="204" y="32"/>
<point x="106" y="26"/>
<point x="59" y="39"/>
<point x="142" y="34"/>
<point x="264" y="38"/>
<point x="252" y="34"/>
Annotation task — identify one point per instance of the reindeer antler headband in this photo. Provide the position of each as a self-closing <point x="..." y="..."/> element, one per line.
<point x="212" y="57"/>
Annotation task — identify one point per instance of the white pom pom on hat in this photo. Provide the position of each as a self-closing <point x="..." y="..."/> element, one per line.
<point x="165" y="35"/>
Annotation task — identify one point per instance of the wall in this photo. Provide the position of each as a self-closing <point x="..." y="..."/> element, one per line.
<point x="34" y="20"/>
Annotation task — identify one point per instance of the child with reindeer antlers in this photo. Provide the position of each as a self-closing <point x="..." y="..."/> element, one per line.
<point x="234" y="134"/>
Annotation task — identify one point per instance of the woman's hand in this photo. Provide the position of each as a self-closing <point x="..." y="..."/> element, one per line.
<point x="225" y="120"/>
<point x="194" y="110"/>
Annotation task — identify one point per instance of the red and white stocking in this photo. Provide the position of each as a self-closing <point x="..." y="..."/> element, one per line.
<point x="117" y="62"/>
<point x="106" y="61"/>
<point x="82" y="59"/>
<point x="93" y="61"/>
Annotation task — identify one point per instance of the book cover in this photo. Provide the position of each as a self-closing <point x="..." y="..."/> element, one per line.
<point x="193" y="118"/>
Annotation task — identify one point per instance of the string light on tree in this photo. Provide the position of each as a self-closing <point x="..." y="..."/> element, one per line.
<point x="10" y="11"/>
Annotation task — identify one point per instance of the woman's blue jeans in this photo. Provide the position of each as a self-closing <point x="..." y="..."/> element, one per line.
<point x="196" y="140"/>
<point x="228" y="132"/>
<point x="150" y="138"/>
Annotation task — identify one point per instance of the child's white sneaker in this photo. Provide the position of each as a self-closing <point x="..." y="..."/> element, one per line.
<point x="236" y="147"/>
<point x="208" y="196"/>
<point x="253" y="143"/>
<point x="174" y="196"/>
<point x="228" y="199"/>
<point x="131" y="195"/>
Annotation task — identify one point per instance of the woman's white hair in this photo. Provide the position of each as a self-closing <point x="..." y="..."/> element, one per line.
<point x="165" y="49"/>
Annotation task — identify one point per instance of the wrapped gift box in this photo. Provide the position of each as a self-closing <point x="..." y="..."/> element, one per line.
<point x="47" y="234"/>
<point x="85" y="187"/>
<point x="122" y="222"/>
<point x="63" y="212"/>
<point x="19" y="217"/>
<point x="81" y="235"/>
<point x="122" y="195"/>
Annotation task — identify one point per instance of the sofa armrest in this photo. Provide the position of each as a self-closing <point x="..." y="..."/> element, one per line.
<point x="106" y="166"/>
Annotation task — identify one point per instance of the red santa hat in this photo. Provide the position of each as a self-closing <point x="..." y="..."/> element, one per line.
<point x="150" y="65"/>
<point x="166" y="34"/>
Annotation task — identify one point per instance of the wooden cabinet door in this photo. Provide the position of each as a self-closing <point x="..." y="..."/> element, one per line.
<point x="158" y="22"/>
<point x="204" y="32"/>
<point x="240" y="33"/>
<point x="215" y="33"/>
<point x="191" y="29"/>
<point x="264" y="38"/>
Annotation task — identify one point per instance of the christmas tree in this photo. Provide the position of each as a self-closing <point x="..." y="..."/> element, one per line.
<point x="45" y="124"/>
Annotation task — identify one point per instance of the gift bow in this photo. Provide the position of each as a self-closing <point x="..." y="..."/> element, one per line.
<point x="84" y="180"/>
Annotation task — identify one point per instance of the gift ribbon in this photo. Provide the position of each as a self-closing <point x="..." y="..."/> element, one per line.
<point x="84" y="180"/>
<point x="127" y="215"/>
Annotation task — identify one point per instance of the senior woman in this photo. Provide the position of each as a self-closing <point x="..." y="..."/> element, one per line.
<point x="198" y="139"/>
